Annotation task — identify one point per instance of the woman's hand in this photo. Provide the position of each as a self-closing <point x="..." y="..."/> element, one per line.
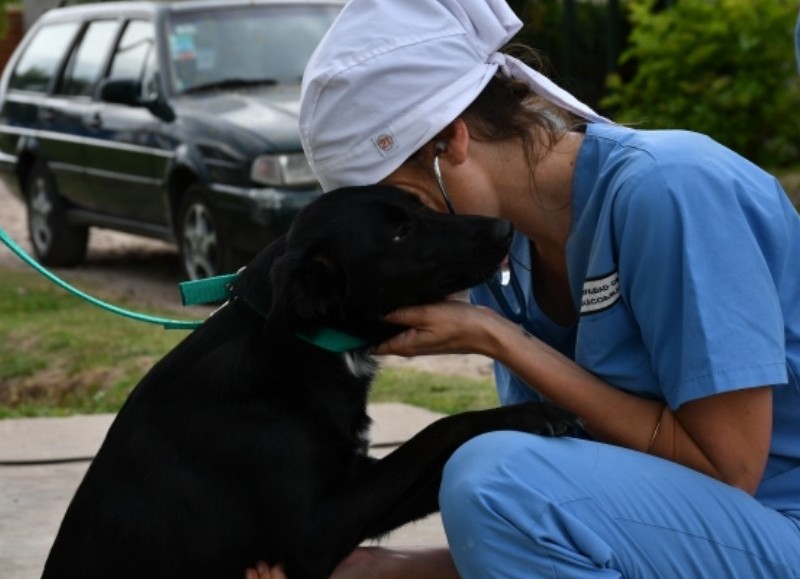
<point x="450" y="327"/>
<point x="264" y="571"/>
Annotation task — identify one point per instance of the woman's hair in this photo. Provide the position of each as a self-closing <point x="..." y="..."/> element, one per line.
<point x="509" y="110"/>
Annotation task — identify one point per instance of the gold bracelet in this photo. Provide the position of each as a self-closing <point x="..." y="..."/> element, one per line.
<point x="655" y="433"/>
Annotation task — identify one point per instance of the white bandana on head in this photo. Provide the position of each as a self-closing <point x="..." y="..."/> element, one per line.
<point x="391" y="74"/>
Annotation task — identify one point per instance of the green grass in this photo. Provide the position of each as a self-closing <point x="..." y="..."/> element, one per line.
<point x="60" y="355"/>
<point x="442" y="393"/>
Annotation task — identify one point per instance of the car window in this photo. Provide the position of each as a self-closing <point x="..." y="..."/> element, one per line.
<point x="41" y="58"/>
<point x="86" y="62"/>
<point x="250" y="43"/>
<point x="135" y="57"/>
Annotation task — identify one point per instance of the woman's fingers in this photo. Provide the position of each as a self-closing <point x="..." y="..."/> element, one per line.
<point x="264" y="571"/>
<point x="443" y="328"/>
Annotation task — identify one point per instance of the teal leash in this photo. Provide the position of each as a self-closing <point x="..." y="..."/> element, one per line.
<point x="167" y="323"/>
<point x="201" y="291"/>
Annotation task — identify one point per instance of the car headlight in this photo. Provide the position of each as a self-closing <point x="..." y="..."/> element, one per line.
<point x="289" y="169"/>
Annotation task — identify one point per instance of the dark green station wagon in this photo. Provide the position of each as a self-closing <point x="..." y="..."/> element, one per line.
<point x="175" y="121"/>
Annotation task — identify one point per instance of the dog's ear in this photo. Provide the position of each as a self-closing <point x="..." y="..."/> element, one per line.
<point x="306" y="287"/>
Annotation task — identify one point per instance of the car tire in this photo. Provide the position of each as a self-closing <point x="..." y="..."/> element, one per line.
<point x="55" y="241"/>
<point x="204" y="249"/>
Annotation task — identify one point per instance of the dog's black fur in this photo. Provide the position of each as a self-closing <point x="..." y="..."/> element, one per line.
<point x="248" y="443"/>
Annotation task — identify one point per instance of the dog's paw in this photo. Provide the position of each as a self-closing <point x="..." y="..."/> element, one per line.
<point x="549" y="420"/>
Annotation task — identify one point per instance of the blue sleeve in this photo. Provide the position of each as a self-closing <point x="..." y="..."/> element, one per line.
<point x="694" y="273"/>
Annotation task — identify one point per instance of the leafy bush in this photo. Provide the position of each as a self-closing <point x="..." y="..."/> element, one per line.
<point x="721" y="67"/>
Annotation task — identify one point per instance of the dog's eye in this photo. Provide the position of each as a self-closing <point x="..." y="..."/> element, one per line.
<point x="401" y="233"/>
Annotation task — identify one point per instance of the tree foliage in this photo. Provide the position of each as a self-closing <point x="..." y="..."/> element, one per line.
<point x="722" y="67"/>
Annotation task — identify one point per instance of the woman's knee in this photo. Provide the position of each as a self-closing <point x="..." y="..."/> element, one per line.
<point x="483" y="465"/>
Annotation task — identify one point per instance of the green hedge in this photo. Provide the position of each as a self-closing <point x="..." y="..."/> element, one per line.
<point x="722" y="67"/>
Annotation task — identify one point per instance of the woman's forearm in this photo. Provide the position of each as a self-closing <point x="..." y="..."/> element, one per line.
<point x="609" y="414"/>
<point x="690" y="435"/>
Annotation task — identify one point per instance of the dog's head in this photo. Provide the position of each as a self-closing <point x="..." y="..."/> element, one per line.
<point x="358" y="253"/>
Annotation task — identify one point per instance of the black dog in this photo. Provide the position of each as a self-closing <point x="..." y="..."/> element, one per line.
<point x="247" y="442"/>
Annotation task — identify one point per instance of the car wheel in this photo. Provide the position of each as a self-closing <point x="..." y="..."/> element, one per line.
<point x="202" y="242"/>
<point x="56" y="242"/>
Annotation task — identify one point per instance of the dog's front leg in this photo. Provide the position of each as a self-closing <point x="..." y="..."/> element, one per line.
<point x="404" y="486"/>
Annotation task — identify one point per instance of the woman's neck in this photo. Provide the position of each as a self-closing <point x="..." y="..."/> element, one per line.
<point x="539" y="203"/>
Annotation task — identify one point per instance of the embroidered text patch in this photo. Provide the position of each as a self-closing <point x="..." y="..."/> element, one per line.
<point x="600" y="293"/>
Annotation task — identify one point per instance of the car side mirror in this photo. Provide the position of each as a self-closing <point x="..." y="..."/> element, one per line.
<point x="128" y="92"/>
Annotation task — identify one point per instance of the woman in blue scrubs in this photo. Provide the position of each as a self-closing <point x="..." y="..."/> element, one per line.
<point x="655" y="293"/>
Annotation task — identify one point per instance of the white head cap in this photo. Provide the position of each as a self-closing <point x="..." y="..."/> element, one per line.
<point x="391" y="74"/>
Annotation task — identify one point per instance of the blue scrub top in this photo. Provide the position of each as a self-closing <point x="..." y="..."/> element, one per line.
<point x="684" y="259"/>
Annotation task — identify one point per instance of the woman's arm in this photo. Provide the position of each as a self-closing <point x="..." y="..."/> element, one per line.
<point x="726" y="436"/>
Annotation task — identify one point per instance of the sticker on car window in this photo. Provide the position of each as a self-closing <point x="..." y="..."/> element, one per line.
<point x="182" y="46"/>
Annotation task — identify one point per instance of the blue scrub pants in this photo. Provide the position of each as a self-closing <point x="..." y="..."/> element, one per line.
<point x="517" y="505"/>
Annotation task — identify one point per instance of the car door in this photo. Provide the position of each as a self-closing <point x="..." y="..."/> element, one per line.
<point x="63" y="133"/>
<point x="126" y="159"/>
<point x="28" y="87"/>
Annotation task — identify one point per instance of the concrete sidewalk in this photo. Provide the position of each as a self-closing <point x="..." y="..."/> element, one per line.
<point x="33" y="497"/>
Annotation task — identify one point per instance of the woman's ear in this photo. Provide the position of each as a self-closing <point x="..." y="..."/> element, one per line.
<point x="451" y="143"/>
<point x="457" y="143"/>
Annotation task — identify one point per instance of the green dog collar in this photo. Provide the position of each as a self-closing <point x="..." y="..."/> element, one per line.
<point x="333" y="340"/>
<point x="204" y="291"/>
<point x="220" y="288"/>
